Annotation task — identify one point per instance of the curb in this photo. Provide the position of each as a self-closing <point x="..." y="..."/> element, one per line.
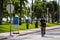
<point x="29" y="33"/>
<point x="36" y="32"/>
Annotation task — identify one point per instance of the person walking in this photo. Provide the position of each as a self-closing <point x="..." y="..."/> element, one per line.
<point x="27" y="22"/>
<point x="43" y="26"/>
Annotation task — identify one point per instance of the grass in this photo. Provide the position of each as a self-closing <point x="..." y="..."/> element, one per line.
<point x="6" y="28"/>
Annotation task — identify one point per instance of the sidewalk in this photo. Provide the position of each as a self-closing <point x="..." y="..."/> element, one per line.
<point x="25" y="32"/>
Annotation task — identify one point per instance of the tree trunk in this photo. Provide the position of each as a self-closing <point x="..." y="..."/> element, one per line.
<point x="52" y="18"/>
<point x="7" y="19"/>
<point x="58" y="17"/>
<point x="1" y="11"/>
<point x="49" y="18"/>
<point x="20" y="11"/>
<point x="32" y="13"/>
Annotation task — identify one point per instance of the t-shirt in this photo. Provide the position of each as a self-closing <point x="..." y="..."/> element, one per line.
<point x="43" y="24"/>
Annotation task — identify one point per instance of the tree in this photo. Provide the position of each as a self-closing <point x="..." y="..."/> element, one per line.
<point x="1" y="11"/>
<point x="16" y="3"/>
<point x="44" y="0"/>
<point x="21" y="2"/>
<point x="38" y="8"/>
<point x="38" y="11"/>
<point x="53" y="9"/>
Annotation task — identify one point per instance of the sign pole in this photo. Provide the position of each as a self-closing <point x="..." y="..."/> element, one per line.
<point x="10" y="9"/>
<point x="10" y="20"/>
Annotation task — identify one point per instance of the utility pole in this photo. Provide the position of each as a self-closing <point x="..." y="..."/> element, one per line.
<point x="1" y="11"/>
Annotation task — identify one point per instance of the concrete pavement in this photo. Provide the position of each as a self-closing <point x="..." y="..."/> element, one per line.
<point x="50" y="35"/>
<point x="25" y="32"/>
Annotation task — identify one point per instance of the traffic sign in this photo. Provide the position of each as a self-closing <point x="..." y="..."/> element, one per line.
<point x="10" y="8"/>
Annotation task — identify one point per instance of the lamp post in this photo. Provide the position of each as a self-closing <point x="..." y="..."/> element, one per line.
<point x="47" y="14"/>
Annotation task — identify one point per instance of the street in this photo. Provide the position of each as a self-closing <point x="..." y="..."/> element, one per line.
<point x="50" y="35"/>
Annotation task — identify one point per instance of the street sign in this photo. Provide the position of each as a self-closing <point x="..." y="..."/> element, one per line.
<point x="10" y="8"/>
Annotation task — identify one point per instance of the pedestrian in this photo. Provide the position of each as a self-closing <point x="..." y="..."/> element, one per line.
<point x="27" y="22"/>
<point x="43" y="26"/>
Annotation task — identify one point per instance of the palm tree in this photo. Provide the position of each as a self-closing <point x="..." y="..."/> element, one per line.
<point x="16" y="3"/>
<point x="53" y="9"/>
<point x="1" y="11"/>
<point x="44" y="0"/>
<point x="21" y="3"/>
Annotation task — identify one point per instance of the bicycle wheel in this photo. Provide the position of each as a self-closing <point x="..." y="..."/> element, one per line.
<point x="42" y="32"/>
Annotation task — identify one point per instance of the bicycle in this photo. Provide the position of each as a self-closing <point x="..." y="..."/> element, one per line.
<point x="43" y="31"/>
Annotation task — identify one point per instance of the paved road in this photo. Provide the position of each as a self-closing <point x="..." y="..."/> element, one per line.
<point x="50" y="35"/>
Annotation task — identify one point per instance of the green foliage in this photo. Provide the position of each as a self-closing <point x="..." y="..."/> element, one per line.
<point x="38" y="9"/>
<point x="53" y="6"/>
<point x="38" y="12"/>
<point x="6" y="28"/>
<point x="16" y="4"/>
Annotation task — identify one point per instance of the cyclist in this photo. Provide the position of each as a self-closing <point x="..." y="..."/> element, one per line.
<point x="43" y="26"/>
